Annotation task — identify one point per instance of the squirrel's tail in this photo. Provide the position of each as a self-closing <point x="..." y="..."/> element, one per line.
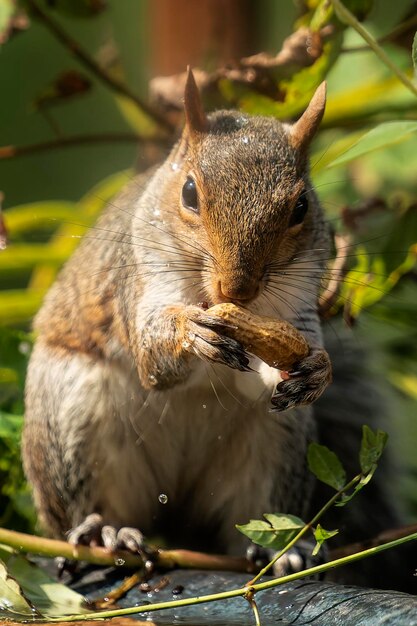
<point x="356" y="397"/>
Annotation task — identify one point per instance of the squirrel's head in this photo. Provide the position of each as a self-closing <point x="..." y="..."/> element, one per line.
<point x="242" y="191"/>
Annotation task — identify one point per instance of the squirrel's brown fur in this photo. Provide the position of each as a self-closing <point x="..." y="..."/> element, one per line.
<point x="133" y="391"/>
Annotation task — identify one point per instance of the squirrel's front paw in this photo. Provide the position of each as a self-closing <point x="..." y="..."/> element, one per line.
<point x="305" y="383"/>
<point x="203" y="337"/>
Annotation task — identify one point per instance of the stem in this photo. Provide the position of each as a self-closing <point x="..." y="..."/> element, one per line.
<point x="348" y="18"/>
<point x="396" y="32"/>
<point x="305" y="528"/>
<point x="9" y="152"/>
<point x="242" y="591"/>
<point x="84" y="58"/>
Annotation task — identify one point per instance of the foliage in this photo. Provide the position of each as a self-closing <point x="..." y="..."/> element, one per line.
<point x="281" y="531"/>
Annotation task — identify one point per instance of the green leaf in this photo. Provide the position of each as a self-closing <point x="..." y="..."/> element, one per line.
<point x="321" y="535"/>
<point x="7" y="9"/>
<point x="326" y="466"/>
<point x="372" y="446"/>
<point x="276" y="533"/>
<point x="13" y="605"/>
<point x="283" y="521"/>
<point x="414" y="52"/>
<point x="10" y="426"/>
<point x="51" y="599"/>
<point x="382" y="136"/>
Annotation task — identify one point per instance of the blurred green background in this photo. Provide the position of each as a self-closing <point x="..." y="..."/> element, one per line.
<point x="52" y="196"/>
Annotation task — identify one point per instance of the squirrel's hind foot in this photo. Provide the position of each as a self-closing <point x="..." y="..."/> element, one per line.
<point x="94" y="532"/>
<point x="296" y="560"/>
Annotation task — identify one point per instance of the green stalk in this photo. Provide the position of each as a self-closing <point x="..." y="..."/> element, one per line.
<point x="242" y="591"/>
<point x="307" y="527"/>
<point x="348" y="18"/>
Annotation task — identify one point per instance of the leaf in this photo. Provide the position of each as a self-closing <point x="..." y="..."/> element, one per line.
<point x="12" y="603"/>
<point x="51" y="599"/>
<point x="382" y="136"/>
<point x="283" y="521"/>
<point x="414" y="53"/>
<point x="7" y="9"/>
<point x="276" y="533"/>
<point x="372" y="446"/>
<point x="321" y="535"/>
<point x="10" y="426"/>
<point x="326" y="466"/>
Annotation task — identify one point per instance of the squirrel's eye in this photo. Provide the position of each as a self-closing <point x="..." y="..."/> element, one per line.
<point x="299" y="211"/>
<point x="189" y="195"/>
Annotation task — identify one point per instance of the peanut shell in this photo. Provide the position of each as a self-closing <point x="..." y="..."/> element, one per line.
<point x="275" y="342"/>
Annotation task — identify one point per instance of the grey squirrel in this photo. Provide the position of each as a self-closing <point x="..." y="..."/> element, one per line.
<point x="142" y="416"/>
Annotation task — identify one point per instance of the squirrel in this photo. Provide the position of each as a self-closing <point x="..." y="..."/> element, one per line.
<point x="142" y="415"/>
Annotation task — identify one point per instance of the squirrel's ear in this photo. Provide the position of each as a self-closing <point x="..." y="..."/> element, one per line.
<point x="195" y="117"/>
<point x="303" y="131"/>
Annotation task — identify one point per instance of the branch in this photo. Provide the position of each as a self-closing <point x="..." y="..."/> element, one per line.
<point x="9" y="152"/>
<point x="84" y="58"/>
<point x="393" y="35"/>
<point x="166" y="559"/>
<point x="379" y="540"/>
<point x="348" y="18"/>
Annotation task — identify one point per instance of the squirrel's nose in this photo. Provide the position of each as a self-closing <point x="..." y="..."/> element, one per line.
<point x="241" y="291"/>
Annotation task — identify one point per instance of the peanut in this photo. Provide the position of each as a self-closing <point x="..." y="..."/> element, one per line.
<point x="275" y="342"/>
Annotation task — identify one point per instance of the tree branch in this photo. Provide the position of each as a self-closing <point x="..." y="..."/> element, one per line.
<point x="84" y="58"/>
<point x="10" y="152"/>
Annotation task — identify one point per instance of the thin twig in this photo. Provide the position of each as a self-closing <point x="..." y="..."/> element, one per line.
<point x="84" y="58"/>
<point x="348" y="18"/>
<point x="329" y="296"/>
<point x="9" y="152"/>
<point x="396" y="32"/>
<point x="379" y="540"/>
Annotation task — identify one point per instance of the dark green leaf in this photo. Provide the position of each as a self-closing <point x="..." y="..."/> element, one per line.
<point x="326" y="466"/>
<point x="372" y="446"/>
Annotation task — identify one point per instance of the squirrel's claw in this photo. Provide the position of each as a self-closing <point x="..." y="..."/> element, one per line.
<point x="92" y="531"/>
<point x="204" y="338"/>
<point x="305" y="384"/>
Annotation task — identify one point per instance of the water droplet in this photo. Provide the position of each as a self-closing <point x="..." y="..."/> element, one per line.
<point x="174" y="167"/>
<point x="245" y="140"/>
<point x="24" y="347"/>
<point x="157" y="212"/>
<point x="163" y="498"/>
<point x="186" y="344"/>
<point x="204" y="406"/>
<point x="152" y="379"/>
<point x="191" y="336"/>
<point x="119" y="562"/>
